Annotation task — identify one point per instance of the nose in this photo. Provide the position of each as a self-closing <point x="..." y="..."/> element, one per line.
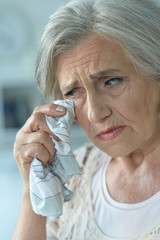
<point x="98" y="110"/>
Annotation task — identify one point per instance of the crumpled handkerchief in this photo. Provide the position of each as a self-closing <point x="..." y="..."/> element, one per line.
<point x="47" y="184"/>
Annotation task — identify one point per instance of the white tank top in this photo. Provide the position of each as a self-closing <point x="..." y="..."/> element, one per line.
<point x="121" y="220"/>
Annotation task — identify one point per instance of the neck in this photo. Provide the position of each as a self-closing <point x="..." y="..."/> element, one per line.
<point x="148" y="155"/>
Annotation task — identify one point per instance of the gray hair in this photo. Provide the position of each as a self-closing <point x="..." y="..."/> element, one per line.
<point x="135" y="24"/>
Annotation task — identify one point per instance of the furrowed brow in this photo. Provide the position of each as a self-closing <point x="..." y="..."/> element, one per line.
<point x="70" y="86"/>
<point x="92" y="77"/>
<point x="103" y="73"/>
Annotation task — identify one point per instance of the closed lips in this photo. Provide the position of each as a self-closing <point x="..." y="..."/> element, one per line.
<point x="110" y="132"/>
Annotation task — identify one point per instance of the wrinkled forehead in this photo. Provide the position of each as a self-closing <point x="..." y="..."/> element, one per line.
<point x="92" y="55"/>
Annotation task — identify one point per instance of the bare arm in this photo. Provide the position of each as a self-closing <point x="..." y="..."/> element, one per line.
<point x="33" y="140"/>
<point x="29" y="225"/>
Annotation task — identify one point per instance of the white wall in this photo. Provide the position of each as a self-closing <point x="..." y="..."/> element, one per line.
<point x="31" y="15"/>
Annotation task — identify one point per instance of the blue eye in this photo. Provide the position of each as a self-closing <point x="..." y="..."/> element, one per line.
<point x="71" y="93"/>
<point x="75" y="93"/>
<point x="114" y="81"/>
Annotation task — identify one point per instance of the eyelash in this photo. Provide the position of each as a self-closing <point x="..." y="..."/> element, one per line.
<point x="70" y="93"/>
<point x="118" y="80"/>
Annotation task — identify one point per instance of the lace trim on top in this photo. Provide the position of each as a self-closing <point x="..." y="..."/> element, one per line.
<point x="77" y="221"/>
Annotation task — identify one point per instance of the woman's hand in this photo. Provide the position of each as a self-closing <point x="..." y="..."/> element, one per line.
<point x="33" y="139"/>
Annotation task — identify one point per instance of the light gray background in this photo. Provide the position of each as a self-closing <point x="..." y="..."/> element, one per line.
<point x="17" y="65"/>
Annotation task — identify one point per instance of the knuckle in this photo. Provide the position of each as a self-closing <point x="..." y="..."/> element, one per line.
<point x="16" y="151"/>
<point x="42" y="135"/>
<point x="35" y="116"/>
<point x="50" y="107"/>
<point x="37" y="109"/>
<point x="37" y="149"/>
<point x="27" y="157"/>
<point x="35" y="120"/>
<point x="22" y="160"/>
<point x="18" y="136"/>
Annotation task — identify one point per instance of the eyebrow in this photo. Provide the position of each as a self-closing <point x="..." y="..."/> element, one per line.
<point x="103" y="73"/>
<point x="92" y="76"/>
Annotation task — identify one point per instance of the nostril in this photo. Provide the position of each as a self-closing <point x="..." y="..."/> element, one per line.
<point x="99" y="114"/>
<point x="98" y="110"/>
<point x="94" y="116"/>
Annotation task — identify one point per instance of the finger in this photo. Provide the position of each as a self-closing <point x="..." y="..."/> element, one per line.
<point x="38" y="137"/>
<point x="37" y="122"/>
<point x="51" y="110"/>
<point x="28" y="152"/>
<point x="24" y="168"/>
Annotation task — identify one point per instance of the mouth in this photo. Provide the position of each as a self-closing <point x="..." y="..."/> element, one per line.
<point x="110" y="133"/>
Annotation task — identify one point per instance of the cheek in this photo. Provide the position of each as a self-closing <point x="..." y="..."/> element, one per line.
<point x="80" y="109"/>
<point x="125" y="109"/>
<point x="140" y="116"/>
<point x="140" y="103"/>
<point x="132" y="104"/>
<point x="82" y="117"/>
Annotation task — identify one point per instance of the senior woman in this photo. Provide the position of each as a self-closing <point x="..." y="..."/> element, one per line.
<point x="104" y="55"/>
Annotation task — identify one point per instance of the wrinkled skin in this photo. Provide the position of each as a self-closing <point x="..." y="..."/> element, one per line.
<point x="107" y="91"/>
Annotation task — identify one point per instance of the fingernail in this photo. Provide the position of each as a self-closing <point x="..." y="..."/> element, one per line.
<point x="60" y="109"/>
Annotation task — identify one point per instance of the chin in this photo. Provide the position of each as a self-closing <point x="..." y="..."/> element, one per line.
<point x="116" y="150"/>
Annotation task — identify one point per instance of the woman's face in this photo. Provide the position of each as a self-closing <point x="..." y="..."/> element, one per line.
<point x="115" y="105"/>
